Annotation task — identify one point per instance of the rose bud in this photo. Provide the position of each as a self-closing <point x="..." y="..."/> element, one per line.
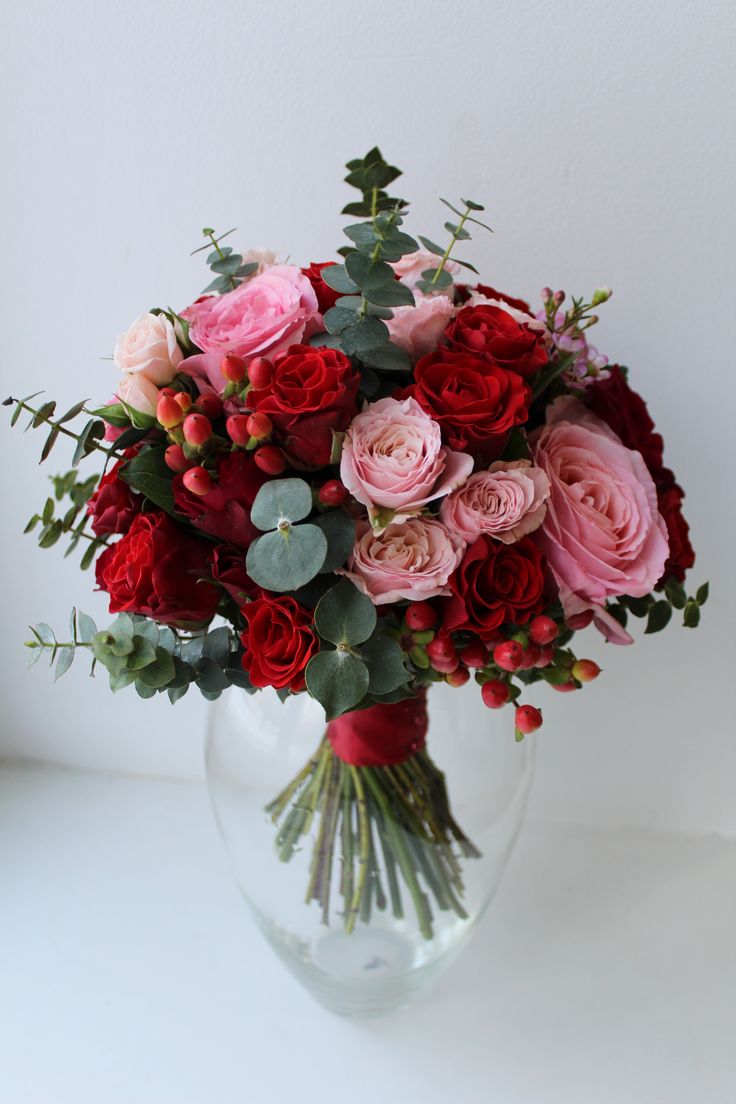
<point x="260" y="372"/>
<point x="270" y="459"/>
<point x="259" y="425"/>
<point x="175" y="458"/>
<point x="509" y="655"/>
<point x="531" y="657"/>
<point x="543" y="630"/>
<point x="197" y="480"/>
<point x="197" y="430"/>
<point x="233" y="368"/>
<point x="168" y="412"/>
<point x="528" y="719"/>
<point x="184" y="400"/>
<point x="585" y="670"/>
<point x="209" y="405"/>
<point x="475" y="654"/>
<point x="546" y="655"/>
<point x="420" y="616"/>
<point x="495" y="693"/>
<point x="442" y="648"/>
<point x="237" y="429"/>
<point x="332" y="493"/>
<point x="458" y="677"/>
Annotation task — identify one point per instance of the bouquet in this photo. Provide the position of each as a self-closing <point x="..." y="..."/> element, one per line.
<point x="353" y="480"/>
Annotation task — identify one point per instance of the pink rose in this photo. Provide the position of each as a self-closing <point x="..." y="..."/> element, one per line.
<point x="418" y="329"/>
<point x="506" y="502"/>
<point x="261" y="317"/>
<point x="138" y="392"/>
<point x="602" y="534"/>
<point x="410" y="267"/>
<point x="393" y="459"/>
<point x="149" y="347"/>
<point x="413" y="559"/>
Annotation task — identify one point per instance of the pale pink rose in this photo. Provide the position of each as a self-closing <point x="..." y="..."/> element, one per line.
<point x="264" y="258"/>
<point x="258" y="318"/>
<point x="506" y="502"/>
<point x="410" y="267"/>
<point x="138" y="392"/>
<point x="602" y="535"/>
<point x="476" y="299"/>
<point x="413" y="559"/>
<point x="150" y="347"/>
<point x="393" y="459"/>
<point x="418" y="329"/>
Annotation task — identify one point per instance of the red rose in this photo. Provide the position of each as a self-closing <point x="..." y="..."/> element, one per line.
<point x="278" y="642"/>
<point x="476" y="403"/>
<point x="155" y="570"/>
<point x="492" y="333"/>
<point x="326" y="296"/>
<point x="228" y="569"/>
<point x="224" y="512"/>
<point x="312" y="392"/>
<point x="495" y="583"/>
<point x="682" y="556"/>
<point x="114" y="504"/>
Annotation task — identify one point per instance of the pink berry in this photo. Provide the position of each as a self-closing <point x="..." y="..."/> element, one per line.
<point x="209" y="405"/>
<point x="543" y="630"/>
<point x="441" y="648"/>
<point x="495" y="693"/>
<point x="260" y="373"/>
<point x="546" y="655"/>
<point x="197" y="430"/>
<point x="259" y="425"/>
<point x="332" y="493"/>
<point x="458" y="677"/>
<point x="184" y="400"/>
<point x="420" y="616"/>
<point x="445" y="665"/>
<point x="585" y="670"/>
<point x="531" y="657"/>
<point x="270" y="459"/>
<point x="509" y="655"/>
<point x="175" y="458"/>
<point x="237" y="429"/>
<point x="564" y="687"/>
<point x="168" y="412"/>
<point x="197" y="480"/>
<point x="475" y="654"/>
<point x="528" y="719"/>
<point x="233" y="368"/>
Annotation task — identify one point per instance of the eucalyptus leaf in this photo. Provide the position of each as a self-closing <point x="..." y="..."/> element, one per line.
<point x="336" y="277"/>
<point x="338" y="680"/>
<point x="385" y="661"/>
<point x="283" y="561"/>
<point x="65" y="658"/>
<point x="339" y="529"/>
<point x="160" y="672"/>
<point x="345" y="616"/>
<point x="281" y="500"/>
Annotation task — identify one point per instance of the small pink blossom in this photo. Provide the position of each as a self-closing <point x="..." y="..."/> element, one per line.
<point x="411" y="266"/>
<point x="412" y="559"/>
<point x="588" y="365"/>
<point x="506" y="502"/>
<point x="418" y="329"/>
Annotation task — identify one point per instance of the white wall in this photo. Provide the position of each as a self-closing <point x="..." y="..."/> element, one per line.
<point x="601" y="138"/>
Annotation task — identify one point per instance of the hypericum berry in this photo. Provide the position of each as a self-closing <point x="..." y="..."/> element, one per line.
<point x="197" y="480"/>
<point x="585" y="670"/>
<point x="197" y="430"/>
<point x="543" y="630"/>
<point x="495" y="693"/>
<point x="531" y="657"/>
<point x="546" y="655"/>
<point x="270" y="459"/>
<point x="260" y="372"/>
<point x="445" y="665"/>
<point x="237" y="429"/>
<point x="508" y="655"/>
<point x="528" y="718"/>
<point x="168" y="412"/>
<point x="564" y="687"/>
<point x="167" y="391"/>
<point x="458" y="677"/>
<point x="175" y="458"/>
<point x="441" y="648"/>
<point x="233" y="368"/>
<point x="209" y="405"/>
<point x="420" y="616"/>
<point x="259" y="425"/>
<point x="184" y="400"/>
<point x="475" y="654"/>
<point x="332" y="493"/>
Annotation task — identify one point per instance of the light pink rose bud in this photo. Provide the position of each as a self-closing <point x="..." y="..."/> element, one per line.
<point x="138" y="392"/>
<point x="412" y="560"/>
<point x="418" y="329"/>
<point x="506" y="502"/>
<point x="149" y="347"/>
<point x="393" y="459"/>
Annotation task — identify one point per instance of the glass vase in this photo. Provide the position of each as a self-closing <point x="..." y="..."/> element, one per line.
<point x="371" y="919"/>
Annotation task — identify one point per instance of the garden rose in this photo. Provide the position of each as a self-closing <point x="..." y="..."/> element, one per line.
<point x="495" y="583"/>
<point x="228" y="569"/>
<point x="326" y="296"/>
<point x="506" y="502"/>
<point x="412" y="559"/>
<point x="476" y="403"/>
<point x="114" y="504"/>
<point x="418" y="329"/>
<point x="410" y="267"/>
<point x="492" y="333"/>
<point x="138" y="392"/>
<point x="278" y="641"/>
<point x="150" y="347"/>
<point x="393" y="458"/>
<point x="224" y="512"/>
<point x="602" y="534"/>
<point x="156" y="570"/>
<point x="311" y="393"/>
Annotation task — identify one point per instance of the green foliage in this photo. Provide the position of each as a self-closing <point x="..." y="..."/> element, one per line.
<point x="289" y="556"/>
<point x="345" y="616"/>
<point x="148" y="473"/>
<point x="339" y="529"/>
<point x="52" y="528"/>
<point x="281" y="500"/>
<point x="228" y="267"/>
<point x="338" y="680"/>
<point x="658" y="608"/>
<point x="438" y="278"/>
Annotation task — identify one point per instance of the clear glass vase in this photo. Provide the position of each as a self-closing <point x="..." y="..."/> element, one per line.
<point x="380" y="957"/>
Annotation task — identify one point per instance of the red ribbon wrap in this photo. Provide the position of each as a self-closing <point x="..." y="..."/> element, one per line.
<point x="382" y="735"/>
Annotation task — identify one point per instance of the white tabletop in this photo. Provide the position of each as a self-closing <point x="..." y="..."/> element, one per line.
<point x="605" y="972"/>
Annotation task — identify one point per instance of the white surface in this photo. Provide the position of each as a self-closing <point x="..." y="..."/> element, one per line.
<point x="600" y="138"/>
<point x="603" y="973"/>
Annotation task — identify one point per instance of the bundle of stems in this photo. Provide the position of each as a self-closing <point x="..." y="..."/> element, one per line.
<point x="391" y="827"/>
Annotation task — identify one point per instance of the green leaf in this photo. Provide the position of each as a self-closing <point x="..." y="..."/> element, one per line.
<point x="356" y="303"/>
<point x="64" y="660"/>
<point x="280" y="500"/>
<point x="336" y="319"/>
<point x="339" y="529"/>
<point x="364" y="335"/>
<point x="363" y="236"/>
<point x="344" y="615"/>
<point x="472" y="205"/>
<point x="144" y="691"/>
<point x="338" y="680"/>
<point x="431" y="246"/>
<point x="336" y="277"/>
<point x="89" y="554"/>
<point x="378" y="282"/>
<point x="287" y="560"/>
<point x="72" y="412"/>
<point x="691" y="617"/>
<point x="48" y="511"/>
<point x="148" y="473"/>
<point x="121" y="680"/>
<point x="227" y="266"/>
<point x="701" y="594"/>
<point x="44" y="633"/>
<point x="385" y="661"/>
<point x="158" y="673"/>
<point x="675" y="591"/>
<point x="211" y="678"/>
<point x="43" y="413"/>
<point x="639" y="606"/>
<point x="143" y="654"/>
<point x="50" y="535"/>
<point x="176" y="692"/>
<point x="659" y="615"/>
<point x="216" y="646"/>
<point x="86" y="627"/>
<point x="92" y="432"/>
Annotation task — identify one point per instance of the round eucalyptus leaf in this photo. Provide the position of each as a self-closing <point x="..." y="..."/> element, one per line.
<point x="339" y="528"/>
<point x="385" y="661"/>
<point x="344" y="615"/>
<point x="338" y="680"/>
<point x="287" y="560"/>
<point x="281" y="500"/>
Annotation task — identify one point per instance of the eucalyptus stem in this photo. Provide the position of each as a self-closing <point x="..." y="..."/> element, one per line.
<point x="215" y="242"/>
<point x="41" y="419"/>
<point x="455" y="236"/>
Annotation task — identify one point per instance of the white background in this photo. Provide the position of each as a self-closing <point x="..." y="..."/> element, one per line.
<point x="600" y="137"/>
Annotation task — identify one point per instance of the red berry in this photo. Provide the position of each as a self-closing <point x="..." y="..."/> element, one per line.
<point x="233" y="368"/>
<point x="543" y="630"/>
<point x="209" y="405"/>
<point x="197" y="430"/>
<point x="184" y="400"/>
<point x="475" y="654"/>
<point x="579" y="620"/>
<point x="585" y="670"/>
<point x="546" y="655"/>
<point x="420" y="616"/>
<point x="270" y="459"/>
<point x="445" y="665"/>
<point x="175" y="458"/>
<point x="441" y="648"/>
<point x="168" y="412"/>
<point x="531" y="657"/>
<point x="237" y="429"/>
<point x="528" y="718"/>
<point x="458" y="677"/>
<point x="564" y="687"/>
<point x="167" y="391"/>
<point x="260" y="372"/>
<point x="332" y="493"/>
<point x="197" y="480"/>
<point x="259" y="425"/>
<point x="495" y="693"/>
<point x="509" y="655"/>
